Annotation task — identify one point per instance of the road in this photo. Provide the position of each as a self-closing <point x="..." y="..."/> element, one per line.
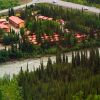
<point x="60" y="3"/>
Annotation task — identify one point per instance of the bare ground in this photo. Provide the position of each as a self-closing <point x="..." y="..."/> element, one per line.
<point x="24" y="1"/>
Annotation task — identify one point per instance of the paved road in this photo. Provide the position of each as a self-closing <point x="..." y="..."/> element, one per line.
<point x="78" y="6"/>
<point x="60" y="3"/>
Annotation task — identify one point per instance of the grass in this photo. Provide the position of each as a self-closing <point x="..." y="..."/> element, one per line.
<point x="4" y="4"/>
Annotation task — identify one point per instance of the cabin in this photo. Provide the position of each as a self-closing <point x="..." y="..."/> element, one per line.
<point x="16" y="22"/>
<point x="44" y="18"/>
<point x="61" y="21"/>
<point x="4" y="25"/>
<point x="32" y="39"/>
<point x="40" y="17"/>
<point x="50" y="18"/>
<point x="80" y="37"/>
<point x="56" y="37"/>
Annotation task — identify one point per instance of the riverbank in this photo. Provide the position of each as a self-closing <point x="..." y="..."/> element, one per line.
<point x="49" y="54"/>
<point x="20" y="56"/>
<point x="13" y="68"/>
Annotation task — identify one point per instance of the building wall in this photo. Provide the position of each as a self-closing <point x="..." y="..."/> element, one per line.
<point x="21" y="25"/>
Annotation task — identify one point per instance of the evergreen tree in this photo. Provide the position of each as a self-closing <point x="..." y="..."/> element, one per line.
<point x="0" y="95"/>
<point x="64" y="58"/>
<point x="9" y="12"/>
<point x="12" y="12"/>
<point x="78" y="62"/>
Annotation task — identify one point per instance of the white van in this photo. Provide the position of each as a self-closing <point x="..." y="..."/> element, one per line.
<point x="54" y="1"/>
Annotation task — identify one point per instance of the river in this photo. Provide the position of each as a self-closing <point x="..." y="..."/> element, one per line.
<point x="11" y="68"/>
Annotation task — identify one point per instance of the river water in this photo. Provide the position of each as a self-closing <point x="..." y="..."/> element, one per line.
<point x="11" y="68"/>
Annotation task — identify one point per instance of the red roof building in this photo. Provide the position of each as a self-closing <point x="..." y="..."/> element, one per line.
<point x="45" y="18"/>
<point x="40" y="17"/>
<point x="16" y="22"/>
<point x="4" y="25"/>
<point x="56" y="37"/>
<point x="50" y="18"/>
<point x="3" y="20"/>
<point x="61" y="21"/>
<point x="32" y="39"/>
<point x="46" y="37"/>
<point x="80" y="37"/>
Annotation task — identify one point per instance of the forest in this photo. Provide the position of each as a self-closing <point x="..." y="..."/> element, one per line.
<point x="61" y="80"/>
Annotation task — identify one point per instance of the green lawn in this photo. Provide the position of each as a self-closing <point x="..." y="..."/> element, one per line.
<point x="8" y="3"/>
<point x="11" y="3"/>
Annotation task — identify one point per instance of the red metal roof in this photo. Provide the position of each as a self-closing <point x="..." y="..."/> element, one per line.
<point x="61" y="20"/>
<point x="3" y="20"/>
<point x="80" y="35"/>
<point x="45" y="18"/>
<point x="16" y="20"/>
<point x="50" y="18"/>
<point x="40" y="17"/>
<point x="2" y="26"/>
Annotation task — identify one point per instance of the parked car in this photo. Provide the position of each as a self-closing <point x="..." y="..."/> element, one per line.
<point x="54" y="1"/>
<point x="85" y="8"/>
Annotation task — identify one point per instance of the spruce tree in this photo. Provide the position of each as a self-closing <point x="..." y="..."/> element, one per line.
<point x="12" y="12"/>
<point x="78" y="59"/>
<point x="0" y="95"/>
<point x="73" y="60"/>
<point x="9" y="12"/>
<point x="64" y="58"/>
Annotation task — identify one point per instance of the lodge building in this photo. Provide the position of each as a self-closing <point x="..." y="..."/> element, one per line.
<point x="4" y="25"/>
<point x="16" y="22"/>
